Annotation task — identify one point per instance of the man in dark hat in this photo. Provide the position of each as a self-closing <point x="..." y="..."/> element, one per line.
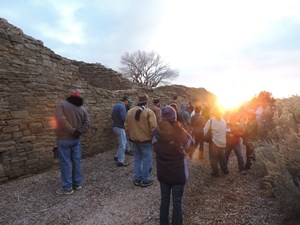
<point x="72" y="121"/>
<point x="139" y="124"/>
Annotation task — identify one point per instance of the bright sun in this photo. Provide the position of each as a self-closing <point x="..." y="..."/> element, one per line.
<point x="228" y="102"/>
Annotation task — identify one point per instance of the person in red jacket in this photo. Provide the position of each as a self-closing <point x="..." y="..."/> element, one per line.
<point x="233" y="134"/>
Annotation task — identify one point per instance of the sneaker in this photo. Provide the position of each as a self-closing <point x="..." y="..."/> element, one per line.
<point x="123" y="164"/>
<point x="65" y="192"/>
<point x="116" y="158"/>
<point x="146" y="183"/>
<point x="77" y="188"/>
<point x="129" y="153"/>
<point x="137" y="182"/>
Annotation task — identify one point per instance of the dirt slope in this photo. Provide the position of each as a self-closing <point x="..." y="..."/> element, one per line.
<point x="110" y="198"/>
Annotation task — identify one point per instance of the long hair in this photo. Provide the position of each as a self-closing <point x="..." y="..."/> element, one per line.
<point x="174" y="130"/>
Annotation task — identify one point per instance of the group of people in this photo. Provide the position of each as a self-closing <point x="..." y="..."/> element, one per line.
<point x="170" y="131"/>
<point x="157" y="129"/>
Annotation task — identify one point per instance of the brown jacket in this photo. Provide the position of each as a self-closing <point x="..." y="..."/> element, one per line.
<point x="71" y="116"/>
<point x="140" y="131"/>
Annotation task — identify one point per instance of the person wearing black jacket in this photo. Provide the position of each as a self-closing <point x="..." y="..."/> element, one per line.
<point x="197" y="124"/>
<point x="171" y="143"/>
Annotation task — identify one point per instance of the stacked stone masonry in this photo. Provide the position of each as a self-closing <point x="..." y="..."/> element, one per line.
<point x="33" y="79"/>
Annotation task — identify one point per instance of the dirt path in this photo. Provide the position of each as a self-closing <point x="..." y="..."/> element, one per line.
<point x="110" y="198"/>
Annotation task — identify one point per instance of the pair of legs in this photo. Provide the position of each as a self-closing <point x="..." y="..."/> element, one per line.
<point x="142" y="161"/>
<point x="128" y="145"/>
<point x="216" y="155"/>
<point x="238" y="152"/>
<point x="177" y="193"/>
<point x="199" y="141"/>
<point x="69" y="154"/>
<point x="250" y="155"/>
<point x="122" y="140"/>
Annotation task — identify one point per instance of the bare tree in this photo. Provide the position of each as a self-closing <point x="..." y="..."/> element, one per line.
<point x="146" y="68"/>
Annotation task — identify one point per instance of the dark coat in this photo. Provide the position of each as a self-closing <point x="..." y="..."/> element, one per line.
<point x="170" y="145"/>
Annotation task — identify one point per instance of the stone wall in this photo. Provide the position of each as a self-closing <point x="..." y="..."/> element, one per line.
<point x="33" y="80"/>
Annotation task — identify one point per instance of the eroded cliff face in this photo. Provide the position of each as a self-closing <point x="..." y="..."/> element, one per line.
<point x="33" y="79"/>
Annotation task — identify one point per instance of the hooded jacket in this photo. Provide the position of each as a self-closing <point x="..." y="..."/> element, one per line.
<point x="71" y="116"/>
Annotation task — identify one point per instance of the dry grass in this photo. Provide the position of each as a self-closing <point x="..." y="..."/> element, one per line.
<point x="279" y="156"/>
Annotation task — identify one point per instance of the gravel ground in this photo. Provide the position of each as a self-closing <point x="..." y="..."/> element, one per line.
<point x="109" y="197"/>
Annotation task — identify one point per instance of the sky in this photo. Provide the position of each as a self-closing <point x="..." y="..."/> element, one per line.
<point x="232" y="48"/>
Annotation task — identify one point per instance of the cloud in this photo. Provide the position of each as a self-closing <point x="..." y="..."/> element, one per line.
<point x="207" y="41"/>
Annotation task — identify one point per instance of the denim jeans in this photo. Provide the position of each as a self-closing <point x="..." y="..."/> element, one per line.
<point x="177" y="193"/>
<point x="122" y="140"/>
<point x="128" y="145"/>
<point x="238" y="152"/>
<point x="143" y="154"/>
<point x="217" y="155"/>
<point x="69" y="154"/>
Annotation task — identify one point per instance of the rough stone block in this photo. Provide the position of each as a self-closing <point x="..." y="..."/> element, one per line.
<point x="10" y="129"/>
<point x="16" y="38"/>
<point x="20" y="114"/>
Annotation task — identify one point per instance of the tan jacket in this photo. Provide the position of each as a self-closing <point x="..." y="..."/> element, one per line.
<point x="140" y="131"/>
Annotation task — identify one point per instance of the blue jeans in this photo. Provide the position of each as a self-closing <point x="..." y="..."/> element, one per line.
<point x="128" y="146"/>
<point x="69" y="154"/>
<point x="122" y="140"/>
<point x="238" y="152"/>
<point x="177" y="214"/>
<point x="142" y="161"/>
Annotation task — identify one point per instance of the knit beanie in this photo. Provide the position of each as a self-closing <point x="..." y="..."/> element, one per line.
<point x="168" y="113"/>
<point x="75" y="93"/>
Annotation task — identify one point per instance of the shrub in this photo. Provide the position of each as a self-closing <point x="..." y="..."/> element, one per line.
<point x="278" y="156"/>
